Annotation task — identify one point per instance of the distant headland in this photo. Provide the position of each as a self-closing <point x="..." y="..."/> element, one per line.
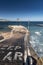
<point x="14" y="19"/>
<point x="3" y="20"/>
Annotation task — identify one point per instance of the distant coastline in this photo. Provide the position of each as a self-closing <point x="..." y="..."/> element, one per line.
<point x="3" y="20"/>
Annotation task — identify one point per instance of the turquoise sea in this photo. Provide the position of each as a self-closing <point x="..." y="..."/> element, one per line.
<point x="36" y="33"/>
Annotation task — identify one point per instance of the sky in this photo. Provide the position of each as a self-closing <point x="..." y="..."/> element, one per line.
<point x="24" y="9"/>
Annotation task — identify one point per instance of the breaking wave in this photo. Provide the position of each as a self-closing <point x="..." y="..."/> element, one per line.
<point x="35" y="41"/>
<point x="38" y="33"/>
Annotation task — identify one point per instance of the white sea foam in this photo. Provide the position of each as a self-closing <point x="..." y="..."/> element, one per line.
<point x="34" y="40"/>
<point x="38" y="33"/>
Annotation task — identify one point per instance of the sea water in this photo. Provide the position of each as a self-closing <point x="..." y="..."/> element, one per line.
<point x="36" y="33"/>
<point x="36" y="37"/>
<point x="4" y="25"/>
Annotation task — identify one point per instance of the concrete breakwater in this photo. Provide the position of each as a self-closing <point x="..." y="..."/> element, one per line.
<point x="15" y="46"/>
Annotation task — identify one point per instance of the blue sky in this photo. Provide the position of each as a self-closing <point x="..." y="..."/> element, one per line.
<point x="25" y="9"/>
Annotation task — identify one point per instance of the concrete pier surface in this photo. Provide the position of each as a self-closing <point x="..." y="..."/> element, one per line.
<point x="15" y="46"/>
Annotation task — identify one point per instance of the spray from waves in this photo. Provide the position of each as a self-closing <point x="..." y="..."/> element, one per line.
<point x="35" y="41"/>
<point x="38" y="33"/>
